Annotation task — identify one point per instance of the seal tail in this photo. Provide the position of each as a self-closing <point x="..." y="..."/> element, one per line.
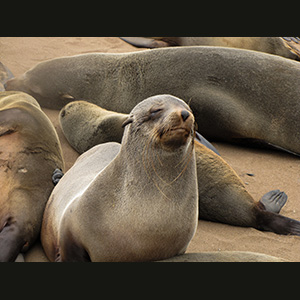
<point x="268" y="221"/>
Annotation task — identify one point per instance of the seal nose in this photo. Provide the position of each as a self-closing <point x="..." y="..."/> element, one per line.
<point x="184" y="114"/>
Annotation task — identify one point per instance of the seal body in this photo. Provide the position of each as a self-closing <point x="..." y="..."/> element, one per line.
<point x="86" y="125"/>
<point x="135" y="202"/>
<point x="286" y="47"/>
<point x="236" y="95"/>
<point x="29" y="153"/>
<point x="222" y="195"/>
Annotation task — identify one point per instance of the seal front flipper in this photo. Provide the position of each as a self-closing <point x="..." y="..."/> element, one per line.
<point x="56" y="176"/>
<point x="273" y="201"/>
<point x="201" y="139"/>
<point x="10" y="242"/>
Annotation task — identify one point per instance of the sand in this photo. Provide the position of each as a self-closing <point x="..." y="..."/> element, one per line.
<point x="271" y="169"/>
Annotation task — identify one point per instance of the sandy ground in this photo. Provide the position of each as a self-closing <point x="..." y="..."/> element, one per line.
<point x="271" y="169"/>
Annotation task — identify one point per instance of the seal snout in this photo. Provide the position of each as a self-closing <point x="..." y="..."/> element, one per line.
<point x="180" y="128"/>
<point x="184" y="114"/>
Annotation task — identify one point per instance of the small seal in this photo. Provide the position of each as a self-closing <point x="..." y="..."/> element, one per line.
<point x="134" y="202"/>
<point x="29" y="153"/>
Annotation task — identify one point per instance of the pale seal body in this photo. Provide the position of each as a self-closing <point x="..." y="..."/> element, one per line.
<point x="236" y="95"/>
<point x="29" y="153"/>
<point x="286" y="47"/>
<point x="135" y="202"/>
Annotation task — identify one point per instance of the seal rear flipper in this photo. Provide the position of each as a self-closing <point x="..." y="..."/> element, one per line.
<point x="142" y="42"/>
<point x="258" y="143"/>
<point x="273" y="201"/>
<point x="11" y="243"/>
<point x="268" y="221"/>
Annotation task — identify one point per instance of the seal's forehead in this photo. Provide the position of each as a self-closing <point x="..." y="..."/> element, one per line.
<point x="158" y="100"/>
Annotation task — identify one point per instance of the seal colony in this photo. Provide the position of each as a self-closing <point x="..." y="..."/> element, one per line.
<point x="222" y="195"/>
<point x="236" y="95"/>
<point x="134" y="202"/>
<point x="29" y="154"/>
<point x="288" y="47"/>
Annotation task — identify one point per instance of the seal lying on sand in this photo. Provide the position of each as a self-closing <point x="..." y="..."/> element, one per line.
<point x="137" y="203"/>
<point x="29" y="153"/>
<point x="86" y="125"/>
<point x="236" y="95"/>
<point x="288" y="47"/>
<point x="222" y="195"/>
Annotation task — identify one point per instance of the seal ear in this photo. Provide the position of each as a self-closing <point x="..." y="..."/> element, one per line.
<point x="127" y="121"/>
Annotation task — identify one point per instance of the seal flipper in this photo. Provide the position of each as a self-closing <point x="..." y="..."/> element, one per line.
<point x="142" y="42"/>
<point x="201" y="139"/>
<point x="56" y="176"/>
<point x="268" y="221"/>
<point x="273" y="201"/>
<point x="10" y="243"/>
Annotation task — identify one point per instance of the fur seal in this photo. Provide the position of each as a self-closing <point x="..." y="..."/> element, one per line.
<point x="29" y="153"/>
<point x="135" y="202"/>
<point x="288" y="47"/>
<point x="236" y="95"/>
<point x="86" y="125"/>
<point x="222" y="195"/>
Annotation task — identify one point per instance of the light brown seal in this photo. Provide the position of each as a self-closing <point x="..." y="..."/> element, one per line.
<point x="288" y="47"/>
<point x="222" y="195"/>
<point x="236" y="95"/>
<point x="29" y="153"/>
<point x="86" y="125"/>
<point x="137" y="202"/>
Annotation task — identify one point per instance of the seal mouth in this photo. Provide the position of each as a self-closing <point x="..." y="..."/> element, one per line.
<point x="175" y="137"/>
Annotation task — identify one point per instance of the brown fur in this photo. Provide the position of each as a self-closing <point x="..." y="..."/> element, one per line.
<point x="29" y="153"/>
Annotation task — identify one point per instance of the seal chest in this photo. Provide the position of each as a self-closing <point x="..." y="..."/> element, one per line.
<point x="132" y="202"/>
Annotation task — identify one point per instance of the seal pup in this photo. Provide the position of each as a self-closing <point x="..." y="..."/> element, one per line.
<point x="86" y="125"/>
<point x="29" y="153"/>
<point x="288" y="47"/>
<point x="134" y="202"/>
<point x="222" y="195"/>
<point x="236" y="95"/>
